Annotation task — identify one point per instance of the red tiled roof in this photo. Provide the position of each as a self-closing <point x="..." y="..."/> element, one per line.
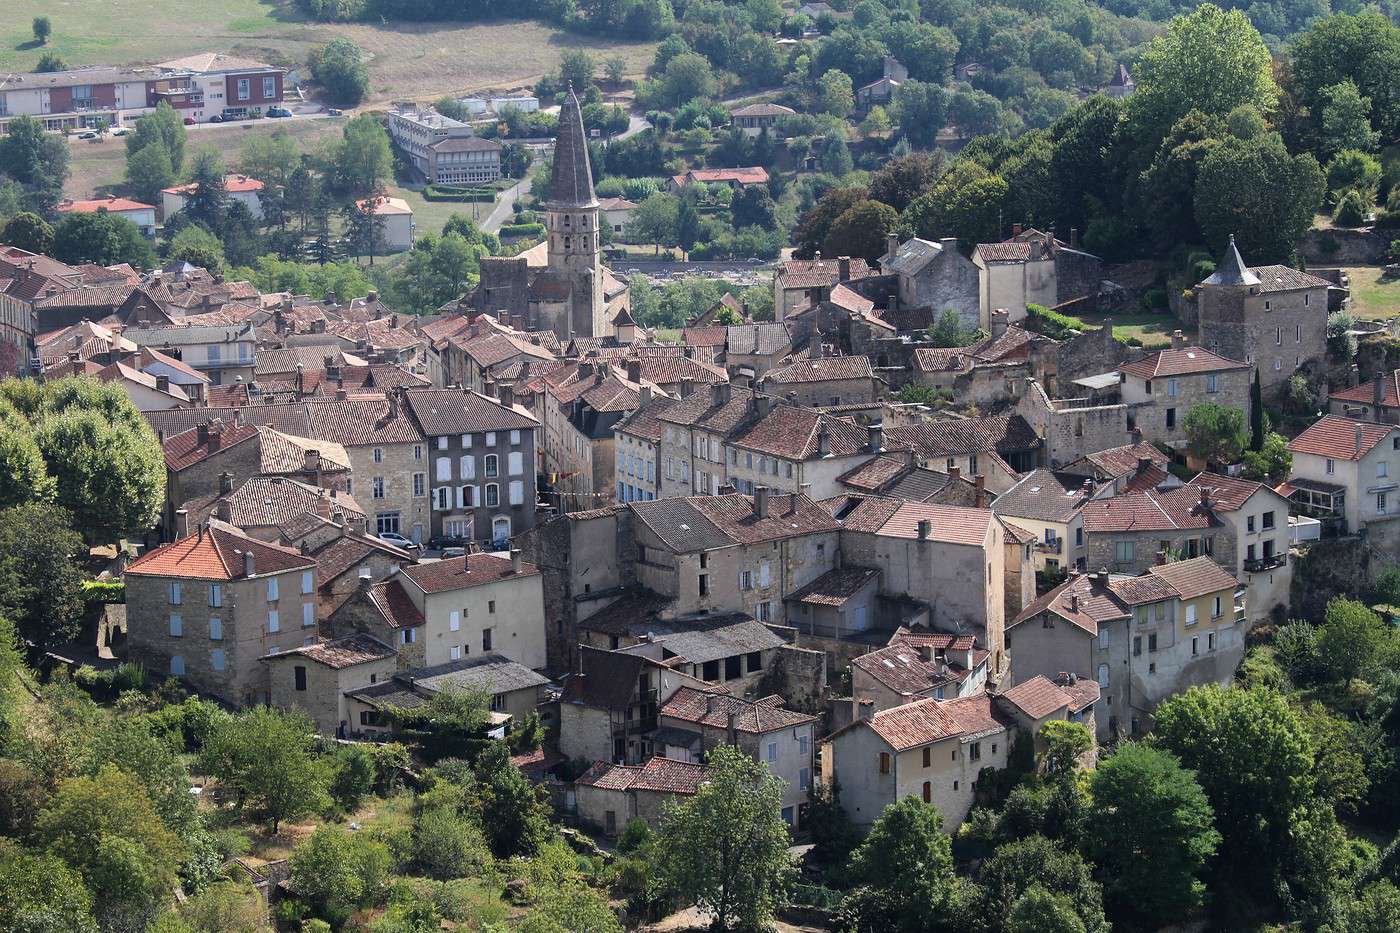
<point x="788" y="516"/>
<point x="1340" y="438"/>
<point x="394" y="605"/>
<point x="942" y="359"/>
<point x="670" y="370"/>
<point x="1149" y="510"/>
<point x="450" y="411"/>
<point x="1002" y="433"/>
<point x="835" y="587"/>
<point x="1195" y="577"/>
<point x="1181" y="362"/>
<point x="1119" y="461"/>
<point x="925" y="721"/>
<point x="793" y="433"/>
<point x="359" y="423"/>
<point x="1364" y="394"/>
<point x="950" y="524"/>
<point x="92" y="206"/>
<point x="339" y="653"/>
<point x="1038" y="697"/>
<point x="233" y="184"/>
<point x="661" y="775"/>
<point x="1227" y="493"/>
<point x="458" y="573"/>
<point x="713" y="336"/>
<point x="825" y="369"/>
<point x="215" y="552"/>
<point x="1080" y="600"/>
<point x="185" y="450"/>
<point x="811" y="273"/>
<point x="875" y="473"/>
<point x="748" y="175"/>
<point x="1004" y="252"/>
<point x="690" y="705"/>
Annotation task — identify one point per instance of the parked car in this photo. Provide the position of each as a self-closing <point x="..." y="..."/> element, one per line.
<point x="189" y="121"/>
<point x="333" y="112"/>
<point x="120" y="131"/>
<point x="443" y="542"/>
<point x="278" y="112"/>
<point x="88" y="135"/>
<point x="398" y="540"/>
<point x="216" y="119"/>
<point x="453" y="552"/>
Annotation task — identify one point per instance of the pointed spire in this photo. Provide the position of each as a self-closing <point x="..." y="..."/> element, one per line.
<point x="571" y="183"/>
<point x="1231" y="270"/>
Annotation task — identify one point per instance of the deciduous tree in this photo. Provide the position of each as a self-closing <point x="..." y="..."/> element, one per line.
<point x="1215" y="433"/>
<point x="339" y="67"/>
<point x="265" y="757"/>
<point x="906" y="866"/>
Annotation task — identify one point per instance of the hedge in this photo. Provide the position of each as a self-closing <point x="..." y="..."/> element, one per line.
<point x="458" y="193"/>
<point x="100" y="591"/>
<point x="519" y="230"/>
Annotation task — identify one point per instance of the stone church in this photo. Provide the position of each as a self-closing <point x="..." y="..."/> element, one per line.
<point x="561" y="284"/>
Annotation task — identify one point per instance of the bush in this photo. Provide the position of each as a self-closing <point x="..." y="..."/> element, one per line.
<point x="1053" y="324"/>
<point x="1155" y="298"/>
<point x="103" y="591"/>
<point x="522" y="230"/>
<point x="458" y="193"/>
<point x="1351" y="209"/>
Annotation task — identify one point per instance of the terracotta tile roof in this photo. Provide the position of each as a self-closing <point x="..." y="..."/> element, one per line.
<point x="1120" y="461"/>
<point x="1080" y="600"/>
<point x="1083" y="691"/>
<point x="709" y="336"/>
<point x="233" y="184"/>
<point x="1149" y="510"/>
<point x="821" y="370"/>
<point x="789" y="516"/>
<point x="446" y="326"/>
<point x="861" y="513"/>
<point x="348" y="552"/>
<point x="339" y="653"/>
<point x="215" y="552"/>
<point x="284" y="453"/>
<point x="812" y="273"/>
<point x="835" y="587"/>
<point x="287" y="418"/>
<point x="272" y="501"/>
<point x="1135" y="591"/>
<point x="1011" y="345"/>
<point x="660" y="775"/>
<point x="394" y="605"/>
<point x="449" y="411"/>
<point x="1044" y="495"/>
<point x="93" y="205"/>
<point x="633" y="613"/>
<point x="762" y="109"/>
<point x="758" y="718"/>
<point x="903" y="669"/>
<point x="712" y="639"/>
<point x="843" y="297"/>
<point x="942" y="359"/>
<point x="1341" y="438"/>
<point x="185" y="449"/>
<point x="939" y="641"/>
<point x="1004" y="433"/>
<point x="670" y="370"/>
<point x="360" y="423"/>
<point x="699" y="409"/>
<point x="793" y="433"/>
<point x="646" y="422"/>
<point x="458" y="573"/>
<point x="765" y="339"/>
<point x="1195" y="577"/>
<point x="1364" y="393"/>
<point x="747" y="175"/>
<point x="1183" y="362"/>
<point x="492" y="349"/>
<point x="1227" y="493"/>
<point x="1285" y="279"/>
<point x="1004" y="252"/>
<point x="680" y="525"/>
<point x="1038" y="697"/>
<point x="925" y="721"/>
<point x="949" y="524"/>
<point x="875" y="473"/>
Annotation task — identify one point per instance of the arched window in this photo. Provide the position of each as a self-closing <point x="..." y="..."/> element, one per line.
<point x="500" y="529"/>
<point x="567" y="220"/>
<point x="585" y="243"/>
<point x="566" y="242"/>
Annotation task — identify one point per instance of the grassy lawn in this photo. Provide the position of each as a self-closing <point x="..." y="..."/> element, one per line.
<point x="413" y="61"/>
<point x="431" y="215"/>
<point x="1154" y="330"/>
<point x="1371" y="298"/>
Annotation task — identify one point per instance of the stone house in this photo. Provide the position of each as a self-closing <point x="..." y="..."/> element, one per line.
<point x="837" y="604"/>
<point x="1050" y="506"/>
<point x="389" y="459"/>
<point x="1132" y="466"/>
<point x="753" y="119"/>
<point x="483" y="478"/>
<point x="883" y="89"/>
<point x="895" y="476"/>
<point x="207" y="607"/>
<point x="344" y="556"/>
<point x="917" y="666"/>
<point x="1073" y="427"/>
<point x="1162" y="387"/>
<point x="692" y="723"/>
<point x="513" y="689"/>
<point x="796" y="278"/>
<point x="1375" y="400"/>
<point x="1258" y="519"/>
<point x="1345" y="472"/>
<point x="733" y="650"/>
<point x="611" y="795"/>
<point x="750" y="350"/>
<point x="998" y="447"/>
<point x="637" y="438"/>
<point x="732" y="553"/>
<point x="795" y="449"/>
<point x="1141" y="638"/>
<point x="315" y="678"/>
<point x="824" y="380"/>
<point x="609" y="709"/>
<point x="692" y="436"/>
<point x="934" y="274"/>
<point x="261" y="505"/>
<point x="1128" y="533"/>
<point x="1272" y="317"/>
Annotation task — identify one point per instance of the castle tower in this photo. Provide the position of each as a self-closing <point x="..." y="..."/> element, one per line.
<point x="1223" y="307"/>
<point x="572" y="222"/>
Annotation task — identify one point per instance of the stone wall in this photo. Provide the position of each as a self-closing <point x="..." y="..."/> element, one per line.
<point x="798" y="675"/>
<point x="1345" y="247"/>
<point x="1077" y="275"/>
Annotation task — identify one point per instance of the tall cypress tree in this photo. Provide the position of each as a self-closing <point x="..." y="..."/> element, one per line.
<point x="1256" y="414"/>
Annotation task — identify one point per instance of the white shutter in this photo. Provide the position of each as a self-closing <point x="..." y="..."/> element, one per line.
<point x="216" y="629"/>
<point x="517" y="463"/>
<point x="176" y="627"/>
<point x="468" y="467"/>
<point x="454" y="620"/>
<point x="763" y="577"/>
<point x="308" y="615"/>
<point x="444" y="468"/>
<point x="517" y="492"/>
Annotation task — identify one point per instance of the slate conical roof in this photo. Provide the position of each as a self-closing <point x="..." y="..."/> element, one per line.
<point x="572" y="182"/>
<point x="1232" y="270"/>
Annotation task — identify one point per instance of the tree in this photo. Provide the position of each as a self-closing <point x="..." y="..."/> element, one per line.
<point x="1272" y="462"/>
<point x="1065" y="742"/>
<point x="42" y="29"/>
<point x="974" y="112"/>
<point x="24" y="477"/>
<point x="860" y="231"/>
<point x="514" y="814"/>
<point x="103" y="238"/>
<point x="49" y="62"/>
<point x="1353" y="170"/>
<point x="1216" y="434"/>
<point x="1208" y="60"/>
<point x="264" y="757"/>
<point x="28" y="231"/>
<point x="1257" y="191"/>
<point x="1150" y="836"/>
<point x="1016" y="867"/>
<point x="654" y="220"/>
<point x="726" y="847"/>
<point x="40" y="893"/>
<point x="227" y="906"/>
<point x="1346" y="119"/>
<point x="753" y="207"/>
<point x="1351" y="639"/>
<point x="921" y="108"/>
<point x="906" y="863"/>
<point x="335" y="872"/>
<point x="163" y="126"/>
<point x="39" y="578"/>
<point x="688" y="77"/>
<point x="148" y="171"/>
<point x="339" y="67"/>
<point x="576" y="70"/>
<point x="836" y="157"/>
<point x="1039" y="911"/>
<point x="198" y="247"/>
<point x="105" y="828"/>
<point x="363" y="159"/>
<point x="364" y="228"/>
<point x="876" y="122"/>
<point x="37" y="160"/>
<point x="615" y="67"/>
<point x="965" y="203"/>
<point x="948" y="330"/>
<point x="836" y="94"/>
<point x="1364" y="49"/>
<point x="446" y="844"/>
<point x="208" y="202"/>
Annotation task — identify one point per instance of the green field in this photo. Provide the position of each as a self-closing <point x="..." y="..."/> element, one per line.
<point x="410" y="61"/>
<point x="1154" y="330"/>
<point x="1371" y="298"/>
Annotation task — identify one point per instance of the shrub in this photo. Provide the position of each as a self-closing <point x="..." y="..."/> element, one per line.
<point x="1053" y="324"/>
<point x="522" y="230"/>
<point x="103" y="591"/>
<point x="1155" y="298"/>
<point x="1351" y="209"/>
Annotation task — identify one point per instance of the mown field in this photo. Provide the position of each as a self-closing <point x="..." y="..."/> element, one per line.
<point x="409" y="61"/>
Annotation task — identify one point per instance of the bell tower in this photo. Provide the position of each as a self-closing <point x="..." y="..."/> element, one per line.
<point x="572" y="209"/>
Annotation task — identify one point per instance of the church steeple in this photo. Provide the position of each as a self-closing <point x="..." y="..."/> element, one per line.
<point x="571" y="185"/>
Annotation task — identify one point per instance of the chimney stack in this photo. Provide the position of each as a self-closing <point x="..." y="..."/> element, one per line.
<point x="954" y="472"/>
<point x="865" y="709"/>
<point x="162" y="383"/>
<point x="1144" y="464"/>
<point x="645" y="396"/>
<point x="223" y="511"/>
<point x="1359" y="438"/>
<point x="313" y="462"/>
<point x="1016" y="229"/>
<point x="1074" y="602"/>
<point x="843" y="268"/>
<point x="182" y="524"/>
<point x="687" y="387"/>
<point x="925" y="653"/>
<point x="341" y="395"/>
<point x="393" y="400"/>
<point x="507" y="394"/>
<point x="710" y="703"/>
<point x="225" y="483"/>
<point x="760" y="501"/>
<point x="875" y="437"/>
<point x="1377" y="397"/>
<point x="1074" y="238"/>
<point x="517" y="560"/>
<point x="249" y="569"/>
<point x="634" y="370"/>
<point x="1205" y="496"/>
<point x="1178" y="340"/>
<point x="201" y="434"/>
<point x="891" y="244"/>
<point x="823" y="441"/>
<point x="979" y="483"/>
<point x="925" y="529"/>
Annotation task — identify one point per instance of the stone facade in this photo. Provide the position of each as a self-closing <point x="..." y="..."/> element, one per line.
<point x="1103" y="549"/>
<point x="483" y="484"/>
<point x="319" y="689"/>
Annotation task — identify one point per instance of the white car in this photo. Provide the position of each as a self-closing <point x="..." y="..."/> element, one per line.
<point x="398" y="540"/>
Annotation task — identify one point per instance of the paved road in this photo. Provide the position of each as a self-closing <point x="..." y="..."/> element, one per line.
<point x="503" y="211"/>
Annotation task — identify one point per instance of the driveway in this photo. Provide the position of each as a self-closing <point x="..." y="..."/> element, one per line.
<point x="504" y="211"/>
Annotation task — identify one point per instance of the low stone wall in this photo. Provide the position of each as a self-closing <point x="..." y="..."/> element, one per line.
<point x="1363" y="247"/>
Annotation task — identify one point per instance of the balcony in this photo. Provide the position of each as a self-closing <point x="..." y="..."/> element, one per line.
<point x="1054" y="546"/>
<point x="1261" y="564"/>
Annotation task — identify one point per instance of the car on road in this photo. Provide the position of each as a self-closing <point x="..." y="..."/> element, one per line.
<point x="120" y="131"/>
<point x="88" y="135"/>
<point x="333" y="112"/>
<point x="398" y="540"/>
<point x="278" y="112"/>
<point x="443" y="542"/>
<point x="453" y="552"/>
<point x="216" y="119"/>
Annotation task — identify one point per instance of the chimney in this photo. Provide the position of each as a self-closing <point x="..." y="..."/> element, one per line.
<point x="1178" y="340"/>
<point x="843" y="268"/>
<point x="760" y="501"/>
<point x="891" y="244"/>
<point x="313" y="461"/>
<point x="341" y="395"/>
<point x="517" y="560"/>
<point x="1073" y="602"/>
<point x="1377" y="397"/>
<point x="1074" y="238"/>
<point x="765" y="405"/>
<point x="710" y="703"/>
<point x="301" y="380"/>
<point x="249" y="567"/>
<point x="731" y="726"/>
<point x="954" y="472"/>
<point x="979" y="483"/>
<point x="823" y="441"/>
<point x="875" y="437"/>
<point x="925" y="528"/>
<point x="365" y="580"/>
<point x="182" y="524"/>
<point x="393" y="400"/>
<point x="162" y="383"/>
<point x="925" y="653"/>
<point x="1016" y="229"/>
<point x="1205" y="493"/>
<point x="646" y="396"/>
<point x="214" y="433"/>
<point x="585" y="371"/>
<point x="687" y="387"/>
<point x="226" y="483"/>
<point x="508" y="394"/>
<point x="1358" y="438"/>
<point x="223" y="511"/>
<point x="1101" y="578"/>
<point x="1144" y="464"/>
<point x="634" y="370"/>
<point x="323" y="505"/>
<point x="1161" y="558"/>
<point x="720" y="393"/>
<point x="864" y="709"/>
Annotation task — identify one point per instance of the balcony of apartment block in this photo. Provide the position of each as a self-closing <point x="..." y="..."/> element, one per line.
<point x="1266" y="563"/>
<point x="181" y="98"/>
